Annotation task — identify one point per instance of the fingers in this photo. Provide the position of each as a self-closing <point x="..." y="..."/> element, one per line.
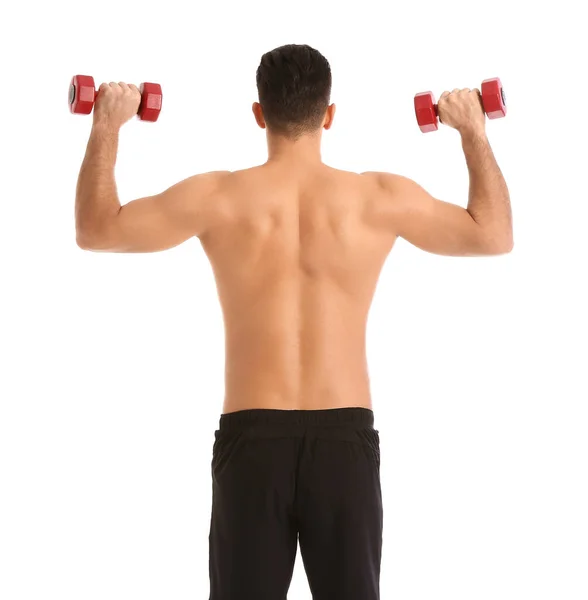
<point x="120" y="85"/>
<point x="453" y="92"/>
<point x="129" y="88"/>
<point x="108" y="87"/>
<point x="119" y="88"/>
<point x="458" y="91"/>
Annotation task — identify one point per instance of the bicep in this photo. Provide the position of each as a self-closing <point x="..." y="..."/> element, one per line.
<point x="431" y="224"/>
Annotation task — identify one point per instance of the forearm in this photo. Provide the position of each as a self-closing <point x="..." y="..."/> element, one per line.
<point x="489" y="200"/>
<point x="96" y="196"/>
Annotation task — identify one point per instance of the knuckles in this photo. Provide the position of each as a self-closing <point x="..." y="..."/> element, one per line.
<point x="111" y="90"/>
<point x="458" y="97"/>
<point x="118" y="87"/>
<point x="457" y="93"/>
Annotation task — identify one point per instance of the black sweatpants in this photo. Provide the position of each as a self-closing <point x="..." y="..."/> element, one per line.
<point x="283" y="476"/>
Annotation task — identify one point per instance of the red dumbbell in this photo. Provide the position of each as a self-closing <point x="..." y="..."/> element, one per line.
<point x="493" y="100"/>
<point x="82" y="95"/>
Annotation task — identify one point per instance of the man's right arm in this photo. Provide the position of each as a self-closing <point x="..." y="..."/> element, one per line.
<point x="484" y="228"/>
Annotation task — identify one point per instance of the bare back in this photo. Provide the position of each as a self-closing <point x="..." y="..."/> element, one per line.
<point x="296" y="246"/>
<point x="296" y="254"/>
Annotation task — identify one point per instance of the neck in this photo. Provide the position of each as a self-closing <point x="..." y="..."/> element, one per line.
<point x="306" y="149"/>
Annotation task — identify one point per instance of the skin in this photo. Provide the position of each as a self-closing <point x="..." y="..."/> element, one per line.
<point x="296" y="246"/>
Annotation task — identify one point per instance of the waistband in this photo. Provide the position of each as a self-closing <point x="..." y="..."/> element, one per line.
<point x="353" y="417"/>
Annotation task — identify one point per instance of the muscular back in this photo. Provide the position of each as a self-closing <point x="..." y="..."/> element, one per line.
<point x="296" y="254"/>
<point x="296" y="248"/>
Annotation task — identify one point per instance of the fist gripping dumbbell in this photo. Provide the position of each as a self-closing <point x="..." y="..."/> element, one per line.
<point x="493" y="100"/>
<point x="82" y="95"/>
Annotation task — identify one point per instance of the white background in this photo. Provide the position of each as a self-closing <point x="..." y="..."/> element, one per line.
<point x="112" y="365"/>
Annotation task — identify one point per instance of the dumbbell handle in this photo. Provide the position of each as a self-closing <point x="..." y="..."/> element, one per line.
<point x="149" y="108"/>
<point x="436" y="104"/>
<point x="72" y="93"/>
<point x="493" y="104"/>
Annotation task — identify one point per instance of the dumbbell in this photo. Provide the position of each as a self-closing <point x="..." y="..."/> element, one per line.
<point x="493" y="100"/>
<point x="82" y="95"/>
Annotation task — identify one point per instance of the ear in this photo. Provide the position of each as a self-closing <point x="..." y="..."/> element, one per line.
<point x="330" y="116"/>
<point x="258" y="113"/>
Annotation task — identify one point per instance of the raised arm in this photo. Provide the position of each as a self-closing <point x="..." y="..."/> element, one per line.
<point x="485" y="227"/>
<point x="149" y="224"/>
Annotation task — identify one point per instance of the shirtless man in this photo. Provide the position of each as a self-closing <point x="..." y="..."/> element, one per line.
<point x="297" y="248"/>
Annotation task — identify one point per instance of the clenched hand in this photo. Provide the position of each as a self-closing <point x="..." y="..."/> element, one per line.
<point x="116" y="104"/>
<point x="463" y="110"/>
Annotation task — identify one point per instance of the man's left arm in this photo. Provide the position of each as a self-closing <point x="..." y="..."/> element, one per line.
<point x="146" y="225"/>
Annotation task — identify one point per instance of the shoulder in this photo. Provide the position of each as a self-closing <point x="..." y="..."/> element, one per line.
<point x="351" y="180"/>
<point x="212" y="179"/>
<point x="199" y="186"/>
<point x="388" y="181"/>
<point x="393" y="197"/>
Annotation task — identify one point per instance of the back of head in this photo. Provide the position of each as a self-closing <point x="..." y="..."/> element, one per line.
<point x="294" y="85"/>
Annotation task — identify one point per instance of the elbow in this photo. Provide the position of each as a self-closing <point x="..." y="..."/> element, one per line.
<point x="86" y="240"/>
<point x="508" y="247"/>
<point x="91" y="239"/>
<point x="83" y="241"/>
<point x="498" y="245"/>
<point x="94" y="233"/>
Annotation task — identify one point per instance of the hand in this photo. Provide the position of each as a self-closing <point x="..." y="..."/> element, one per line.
<point x="463" y="110"/>
<point x="116" y="103"/>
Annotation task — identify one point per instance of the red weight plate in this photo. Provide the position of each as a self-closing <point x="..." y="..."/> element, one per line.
<point x="151" y="99"/>
<point x="493" y="98"/>
<point x="425" y="111"/>
<point x="82" y="94"/>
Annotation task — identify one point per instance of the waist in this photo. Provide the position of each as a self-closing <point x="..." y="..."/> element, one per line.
<point x="346" y="418"/>
<point x="255" y="394"/>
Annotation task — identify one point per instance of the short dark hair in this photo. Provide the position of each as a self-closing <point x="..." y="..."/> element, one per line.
<point x="294" y="86"/>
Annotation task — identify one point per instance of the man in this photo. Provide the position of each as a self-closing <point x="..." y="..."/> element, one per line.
<point x="297" y="248"/>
